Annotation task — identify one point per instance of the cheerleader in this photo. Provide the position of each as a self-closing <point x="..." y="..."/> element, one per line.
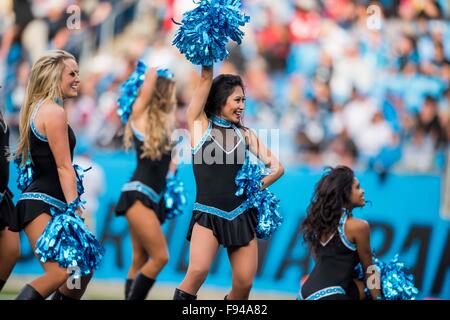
<point x="45" y="153"/>
<point x="338" y="241"/>
<point x="219" y="146"/>
<point x="149" y="127"/>
<point x="9" y="241"/>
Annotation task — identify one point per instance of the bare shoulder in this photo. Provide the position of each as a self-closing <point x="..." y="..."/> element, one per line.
<point x="53" y="117"/>
<point x="53" y="112"/>
<point x="197" y="130"/>
<point x="357" y="225"/>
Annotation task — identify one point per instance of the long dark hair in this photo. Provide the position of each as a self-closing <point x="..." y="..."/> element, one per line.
<point x="332" y="193"/>
<point x="222" y="87"/>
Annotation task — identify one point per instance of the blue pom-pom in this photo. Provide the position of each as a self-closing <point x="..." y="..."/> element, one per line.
<point x="25" y="173"/>
<point x="79" y="171"/>
<point x="130" y="90"/>
<point x="206" y="30"/>
<point x="174" y="197"/>
<point x="396" y="282"/>
<point x="249" y="184"/>
<point x="68" y="241"/>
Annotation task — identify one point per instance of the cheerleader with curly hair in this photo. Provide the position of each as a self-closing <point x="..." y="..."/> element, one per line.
<point x="338" y="241"/>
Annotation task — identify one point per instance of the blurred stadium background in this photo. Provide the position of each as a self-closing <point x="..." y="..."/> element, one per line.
<point x="360" y="83"/>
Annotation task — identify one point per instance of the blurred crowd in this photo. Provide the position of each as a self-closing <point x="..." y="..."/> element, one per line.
<point x="360" y="83"/>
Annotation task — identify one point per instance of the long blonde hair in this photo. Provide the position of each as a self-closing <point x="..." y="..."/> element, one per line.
<point x="160" y="121"/>
<point x="44" y="82"/>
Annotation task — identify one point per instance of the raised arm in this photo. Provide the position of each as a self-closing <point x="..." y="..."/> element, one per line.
<point x="56" y="130"/>
<point x="195" y="110"/>
<point x="361" y="234"/>
<point x="145" y="93"/>
<point x="267" y="157"/>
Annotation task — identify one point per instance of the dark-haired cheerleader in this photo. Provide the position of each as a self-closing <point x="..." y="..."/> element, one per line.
<point x="220" y="146"/>
<point x="338" y="241"/>
<point x="346" y="268"/>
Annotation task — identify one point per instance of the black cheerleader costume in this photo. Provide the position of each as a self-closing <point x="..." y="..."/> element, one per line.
<point x="333" y="273"/>
<point x="7" y="214"/>
<point x="147" y="183"/>
<point x="216" y="161"/>
<point x="45" y="190"/>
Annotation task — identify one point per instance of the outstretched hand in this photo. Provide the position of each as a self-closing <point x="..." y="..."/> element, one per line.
<point x="148" y="85"/>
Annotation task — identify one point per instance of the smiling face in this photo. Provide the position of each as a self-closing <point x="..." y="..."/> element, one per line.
<point x="234" y="106"/>
<point x="357" y="197"/>
<point x="70" y="79"/>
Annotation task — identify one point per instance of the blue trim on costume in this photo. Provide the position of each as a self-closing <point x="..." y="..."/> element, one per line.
<point x="142" y="188"/>
<point x="227" y="124"/>
<point x="33" y="126"/>
<point x="221" y="122"/>
<point x="165" y="73"/>
<point x="137" y="133"/>
<point x="36" y="132"/>
<point x="202" y="141"/>
<point x="344" y="239"/>
<point x="2" y="195"/>
<point x="325" y="292"/>
<point x="60" y="205"/>
<point x="229" y="215"/>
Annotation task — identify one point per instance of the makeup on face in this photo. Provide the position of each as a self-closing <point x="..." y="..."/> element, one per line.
<point x="70" y="79"/>
<point x="234" y="107"/>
